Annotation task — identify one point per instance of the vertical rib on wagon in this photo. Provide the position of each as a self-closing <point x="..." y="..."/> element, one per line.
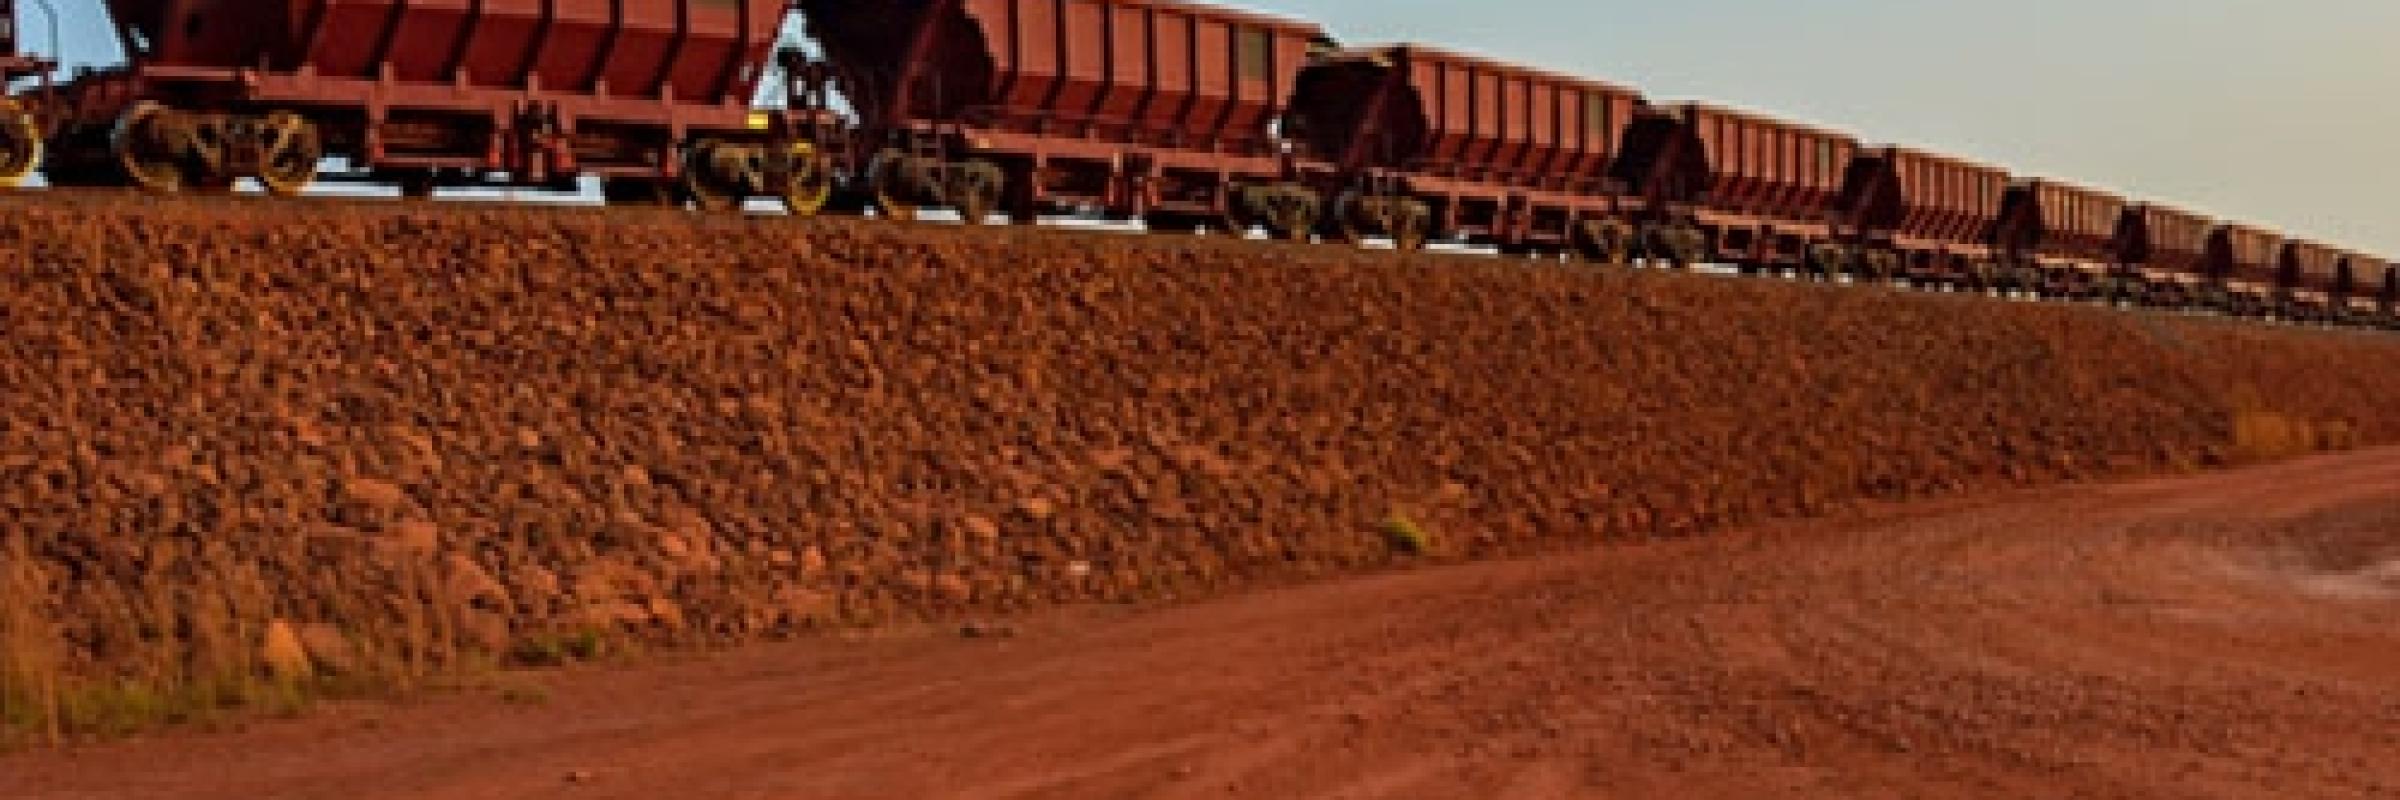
<point x="1936" y="215"/>
<point x="1744" y="187"/>
<point x="420" y="91"/>
<point x="2241" y="265"/>
<point x="1130" y="108"/>
<point x="2307" y="275"/>
<point x="2072" y="235"/>
<point x="1418" y="142"/>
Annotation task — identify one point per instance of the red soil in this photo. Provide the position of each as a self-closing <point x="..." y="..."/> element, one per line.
<point x="404" y="438"/>
<point x="2227" y="635"/>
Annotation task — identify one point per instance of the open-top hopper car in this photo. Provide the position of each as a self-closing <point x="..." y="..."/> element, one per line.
<point x="1183" y="115"/>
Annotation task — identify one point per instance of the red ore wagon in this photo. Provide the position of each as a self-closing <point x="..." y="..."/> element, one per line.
<point x="2242" y="265"/>
<point x="1928" y="215"/>
<point x="2075" y="236"/>
<point x="2366" y="284"/>
<point x="2305" y="276"/>
<point x="2243" y="256"/>
<point x="1418" y="141"/>
<point x="1132" y="108"/>
<point x="1740" y="186"/>
<point x="647" y="93"/>
<point x="2167" y="249"/>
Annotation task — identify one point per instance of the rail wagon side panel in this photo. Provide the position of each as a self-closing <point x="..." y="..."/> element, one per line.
<point x="695" y="52"/>
<point x="1766" y="167"/>
<point x="1427" y="110"/>
<point x="1172" y="74"/>
<point x="1945" y="199"/>
<point x="2244" y="254"/>
<point x="2170" y="241"/>
<point x="2361" y="278"/>
<point x="2058" y="221"/>
<point x="2307" y="266"/>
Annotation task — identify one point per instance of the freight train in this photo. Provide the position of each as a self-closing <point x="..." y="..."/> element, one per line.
<point x="1181" y="115"/>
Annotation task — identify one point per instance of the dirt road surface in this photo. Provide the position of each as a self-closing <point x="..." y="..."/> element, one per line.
<point x="2225" y="635"/>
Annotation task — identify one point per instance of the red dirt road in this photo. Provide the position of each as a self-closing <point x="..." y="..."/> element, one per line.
<point x="2227" y="635"/>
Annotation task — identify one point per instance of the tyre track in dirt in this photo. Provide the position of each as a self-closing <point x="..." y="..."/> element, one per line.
<point x="2144" y="639"/>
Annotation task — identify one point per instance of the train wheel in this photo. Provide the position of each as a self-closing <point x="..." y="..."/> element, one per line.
<point x="806" y="185"/>
<point x="1880" y="266"/>
<point x="1407" y="221"/>
<point x="1409" y="237"/>
<point x="1241" y="211"/>
<point x="706" y="198"/>
<point x="705" y="180"/>
<point x="1292" y="223"/>
<point x="292" y="153"/>
<point x="1602" y="242"/>
<point x="1358" y="218"/>
<point x="1354" y="222"/>
<point x="888" y="186"/>
<point x="1291" y="214"/>
<point x="974" y="188"/>
<point x="142" y="146"/>
<point x="20" y="144"/>
<point x="973" y="209"/>
<point x="890" y="207"/>
<point x="1680" y="246"/>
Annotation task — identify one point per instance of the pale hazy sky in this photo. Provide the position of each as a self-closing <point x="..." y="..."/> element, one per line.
<point x="2282" y="112"/>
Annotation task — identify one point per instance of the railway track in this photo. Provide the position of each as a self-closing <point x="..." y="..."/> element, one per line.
<point x="560" y="203"/>
<point x="1177" y="114"/>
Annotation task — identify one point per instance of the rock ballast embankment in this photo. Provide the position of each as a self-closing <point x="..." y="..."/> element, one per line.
<point x="249" y="438"/>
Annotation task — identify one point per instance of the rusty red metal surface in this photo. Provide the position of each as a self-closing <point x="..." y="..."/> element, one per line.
<point x="540" y="89"/>
<point x="2307" y="265"/>
<point x="1132" y="106"/>
<point x="1763" y="167"/>
<point x="2168" y="240"/>
<point x="698" y="52"/>
<point x="2058" y="221"/>
<point x="1182" y="75"/>
<point x="2244" y="253"/>
<point x="1926" y="203"/>
<point x="1439" y="113"/>
<point x="2363" y="277"/>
